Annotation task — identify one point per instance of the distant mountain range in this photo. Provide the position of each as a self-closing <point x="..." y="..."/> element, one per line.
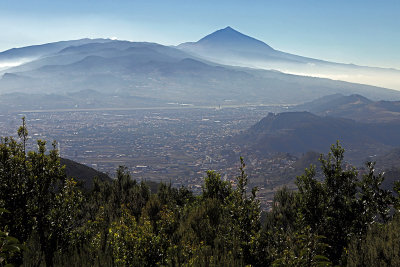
<point x="96" y="73"/>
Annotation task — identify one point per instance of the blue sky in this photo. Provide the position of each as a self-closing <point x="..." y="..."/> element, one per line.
<point x="363" y="32"/>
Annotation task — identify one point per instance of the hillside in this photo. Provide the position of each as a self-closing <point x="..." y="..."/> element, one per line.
<point x="86" y="174"/>
<point x="82" y="173"/>
<point x="299" y="132"/>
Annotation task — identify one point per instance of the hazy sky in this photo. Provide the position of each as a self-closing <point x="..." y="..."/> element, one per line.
<point x="363" y="32"/>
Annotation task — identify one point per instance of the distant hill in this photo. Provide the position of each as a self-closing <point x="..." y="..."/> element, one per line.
<point x="299" y="132"/>
<point x="354" y="107"/>
<point x="389" y="164"/>
<point x="388" y="160"/>
<point x="329" y="104"/>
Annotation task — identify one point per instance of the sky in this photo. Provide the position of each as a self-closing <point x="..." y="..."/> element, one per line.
<point x="363" y="32"/>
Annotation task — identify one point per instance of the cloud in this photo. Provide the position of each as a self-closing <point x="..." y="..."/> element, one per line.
<point x="10" y="64"/>
<point x="5" y="64"/>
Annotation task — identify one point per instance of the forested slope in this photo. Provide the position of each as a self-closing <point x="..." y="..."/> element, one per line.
<point x="53" y="222"/>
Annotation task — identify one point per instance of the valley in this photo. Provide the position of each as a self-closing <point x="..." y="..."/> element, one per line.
<point x="173" y="145"/>
<point x="178" y="145"/>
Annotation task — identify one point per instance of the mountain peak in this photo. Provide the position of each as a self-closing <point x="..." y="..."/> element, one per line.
<point x="228" y="39"/>
<point x="231" y="37"/>
<point x="229" y="28"/>
<point x="229" y="31"/>
<point x="229" y="46"/>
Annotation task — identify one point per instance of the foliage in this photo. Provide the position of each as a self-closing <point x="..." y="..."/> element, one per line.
<point x="335" y="220"/>
<point x="32" y="186"/>
<point x="9" y="246"/>
<point x="379" y="247"/>
<point x="306" y="249"/>
<point x="340" y="207"/>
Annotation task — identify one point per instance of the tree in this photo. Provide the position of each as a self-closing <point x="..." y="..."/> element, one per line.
<point x="341" y="206"/>
<point x="215" y="187"/>
<point x="134" y="244"/>
<point x="16" y="189"/>
<point x="303" y="249"/>
<point x="36" y="191"/>
<point x="380" y="246"/>
<point x="9" y="246"/>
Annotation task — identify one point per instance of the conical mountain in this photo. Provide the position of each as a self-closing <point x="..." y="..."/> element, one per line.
<point x="229" y="37"/>
<point x="230" y="47"/>
<point x="228" y="43"/>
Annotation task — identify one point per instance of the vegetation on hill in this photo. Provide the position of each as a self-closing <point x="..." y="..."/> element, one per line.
<point x="82" y="173"/>
<point x="50" y="221"/>
<point x="86" y="175"/>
